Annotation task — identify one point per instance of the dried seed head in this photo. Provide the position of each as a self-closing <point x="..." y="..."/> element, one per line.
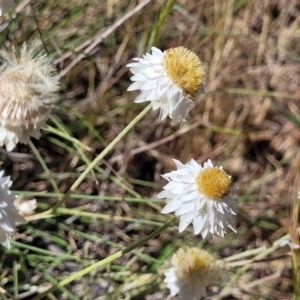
<point x="192" y="270"/>
<point x="28" y="86"/>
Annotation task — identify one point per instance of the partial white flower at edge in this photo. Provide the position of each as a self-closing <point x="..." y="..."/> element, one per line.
<point x="28" y="86"/>
<point x="201" y="196"/>
<point x="9" y="215"/>
<point x="5" y="5"/>
<point x="171" y="80"/>
<point x="192" y="270"/>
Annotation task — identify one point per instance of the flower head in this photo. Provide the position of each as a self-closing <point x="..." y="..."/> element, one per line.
<point x="5" y="5"/>
<point x="171" y="80"/>
<point x="27" y="94"/>
<point x="192" y="270"/>
<point x="8" y="213"/>
<point x="200" y="195"/>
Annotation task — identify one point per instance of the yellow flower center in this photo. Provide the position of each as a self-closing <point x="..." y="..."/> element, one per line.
<point x="185" y="69"/>
<point x="200" y="261"/>
<point x="214" y="183"/>
<point x="195" y="266"/>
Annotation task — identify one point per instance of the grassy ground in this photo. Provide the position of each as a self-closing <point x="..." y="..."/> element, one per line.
<point x="248" y="121"/>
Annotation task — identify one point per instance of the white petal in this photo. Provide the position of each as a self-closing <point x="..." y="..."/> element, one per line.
<point x="184" y="209"/>
<point x="157" y="51"/>
<point x="171" y="206"/>
<point x="178" y="164"/>
<point x="134" y="86"/>
<point x="198" y="224"/>
<point x="219" y="207"/>
<point x="148" y="85"/>
<point x="8" y="212"/>
<point x="183" y="224"/>
<point x="138" y="77"/>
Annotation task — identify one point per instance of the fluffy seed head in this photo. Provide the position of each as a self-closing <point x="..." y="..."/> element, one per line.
<point x="194" y="265"/>
<point x="28" y="86"/>
<point x="192" y="270"/>
<point x="185" y="69"/>
<point x="214" y="183"/>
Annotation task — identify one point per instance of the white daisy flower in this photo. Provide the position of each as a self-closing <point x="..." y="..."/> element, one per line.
<point x="171" y="80"/>
<point x="5" y="5"/>
<point x="28" y="84"/>
<point x="202" y="196"/>
<point x="192" y="270"/>
<point x="8" y="212"/>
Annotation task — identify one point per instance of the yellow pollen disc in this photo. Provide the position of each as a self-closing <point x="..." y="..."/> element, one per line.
<point x="214" y="183"/>
<point x="185" y="69"/>
<point x="200" y="262"/>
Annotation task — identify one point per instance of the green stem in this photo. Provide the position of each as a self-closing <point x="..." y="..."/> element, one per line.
<point x="107" y="260"/>
<point x="44" y="166"/>
<point x="164" y="12"/>
<point x="101" y="156"/>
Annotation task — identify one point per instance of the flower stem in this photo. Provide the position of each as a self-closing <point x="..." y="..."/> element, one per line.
<point x="164" y="12"/>
<point x="107" y="260"/>
<point x="44" y="166"/>
<point x="101" y="156"/>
